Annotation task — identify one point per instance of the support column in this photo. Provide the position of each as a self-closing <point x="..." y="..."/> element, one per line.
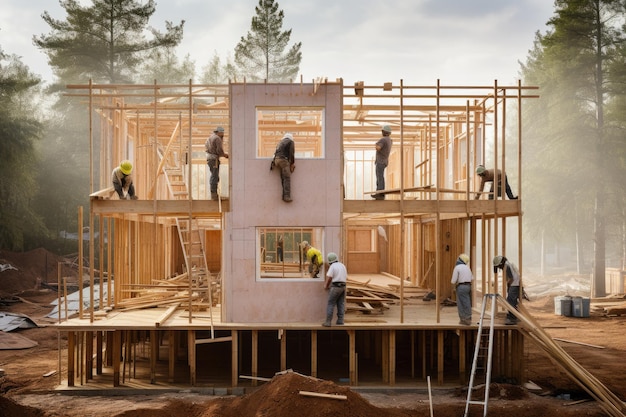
<point x="283" y="349"/>
<point x="154" y="355"/>
<point x="314" y="353"/>
<point x="352" y="363"/>
<point x="255" y="356"/>
<point x="234" y="360"/>
<point x="99" y="356"/>
<point x="191" y="356"/>
<point x="392" y="357"/>
<point x="440" y="357"/>
<point x="171" y="362"/>
<point x="89" y="355"/>
<point x="117" y="356"/>
<point x="71" y="355"/>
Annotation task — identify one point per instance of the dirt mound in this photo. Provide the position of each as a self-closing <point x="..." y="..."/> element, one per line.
<point x="27" y="270"/>
<point x="281" y="397"/>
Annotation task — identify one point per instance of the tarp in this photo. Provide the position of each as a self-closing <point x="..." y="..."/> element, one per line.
<point x="12" y="321"/>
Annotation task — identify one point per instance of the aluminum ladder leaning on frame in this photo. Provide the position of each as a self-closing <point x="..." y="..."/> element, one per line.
<point x="483" y="352"/>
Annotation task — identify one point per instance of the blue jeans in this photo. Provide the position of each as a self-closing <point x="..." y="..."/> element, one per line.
<point x="336" y="297"/>
<point x="512" y="297"/>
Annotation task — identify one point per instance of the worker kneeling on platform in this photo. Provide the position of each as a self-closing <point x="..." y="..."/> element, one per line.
<point x="123" y="181"/>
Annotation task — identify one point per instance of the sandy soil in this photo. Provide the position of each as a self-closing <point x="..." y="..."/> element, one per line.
<point x="25" y="392"/>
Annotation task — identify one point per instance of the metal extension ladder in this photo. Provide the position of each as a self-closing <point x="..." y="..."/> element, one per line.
<point x="483" y="352"/>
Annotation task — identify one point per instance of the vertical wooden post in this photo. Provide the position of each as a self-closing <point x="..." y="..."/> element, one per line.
<point x="392" y="357"/>
<point x="234" y="360"/>
<point x="191" y="354"/>
<point x="99" y="346"/>
<point x="314" y="353"/>
<point x="154" y="354"/>
<point x="385" y="355"/>
<point x="440" y="357"/>
<point x="71" y="352"/>
<point x="255" y="356"/>
<point x="283" y="349"/>
<point x="171" y="342"/>
<point x="89" y="355"/>
<point x="117" y="355"/>
<point x="352" y="364"/>
<point x="462" y="355"/>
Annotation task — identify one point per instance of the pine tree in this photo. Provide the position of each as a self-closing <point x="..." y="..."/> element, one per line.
<point x="261" y="54"/>
<point x="105" y="41"/>
<point x="162" y="65"/>
<point x="20" y="130"/>
<point x="572" y="65"/>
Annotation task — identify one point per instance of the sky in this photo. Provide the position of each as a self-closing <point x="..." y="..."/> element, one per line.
<point x="458" y="42"/>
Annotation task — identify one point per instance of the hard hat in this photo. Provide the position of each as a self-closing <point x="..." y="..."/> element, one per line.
<point x="480" y="169"/>
<point x="464" y="258"/>
<point x="387" y="128"/>
<point x="332" y="257"/>
<point x="498" y="260"/>
<point x="219" y="129"/>
<point x="304" y="244"/>
<point x="126" y="166"/>
<point x="288" y="135"/>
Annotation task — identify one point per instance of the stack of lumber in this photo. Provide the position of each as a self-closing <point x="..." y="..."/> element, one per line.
<point x="611" y="306"/>
<point x="369" y="298"/>
<point x="163" y="293"/>
<point x="531" y="329"/>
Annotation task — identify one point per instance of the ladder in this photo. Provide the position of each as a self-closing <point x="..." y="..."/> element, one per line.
<point x="483" y="353"/>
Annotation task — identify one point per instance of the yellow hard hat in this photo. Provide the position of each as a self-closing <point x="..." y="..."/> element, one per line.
<point x="464" y="258"/>
<point x="126" y="166"/>
<point x="480" y="169"/>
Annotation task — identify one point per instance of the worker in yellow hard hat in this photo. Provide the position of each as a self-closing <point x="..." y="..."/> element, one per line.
<point x="315" y="258"/>
<point x="492" y="176"/>
<point x="123" y="181"/>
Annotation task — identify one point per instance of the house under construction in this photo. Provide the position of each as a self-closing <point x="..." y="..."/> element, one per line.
<point x="186" y="290"/>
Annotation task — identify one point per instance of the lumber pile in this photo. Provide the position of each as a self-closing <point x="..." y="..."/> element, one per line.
<point x="164" y="293"/>
<point x="368" y="298"/>
<point x="531" y="329"/>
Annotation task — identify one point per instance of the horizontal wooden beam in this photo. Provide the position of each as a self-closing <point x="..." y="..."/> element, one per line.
<point x="472" y="207"/>
<point x="159" y="207"/>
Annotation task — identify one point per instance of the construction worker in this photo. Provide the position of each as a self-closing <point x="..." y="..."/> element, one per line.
<point x="336" y="278"/>
<point x="284" y="159"/>
<point x="512" y="284"/>
<point x="488" y="175"/>
<point x="315" y="258"/>
<point x="462" y="280"/>
<point x="123" y="182"/>
<point x="214" y="150"/>
<point x="383" y="149"/>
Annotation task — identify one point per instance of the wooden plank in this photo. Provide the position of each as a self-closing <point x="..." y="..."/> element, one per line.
<point x="166" y="315"/>
<point x="320" y="395"/>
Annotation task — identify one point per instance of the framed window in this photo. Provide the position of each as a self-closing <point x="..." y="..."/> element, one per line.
<point x="306" y="124"/>
<point x="280" y="254"/>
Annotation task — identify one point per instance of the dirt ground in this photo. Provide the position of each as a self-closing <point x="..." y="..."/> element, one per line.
<point x="598" y="343"/>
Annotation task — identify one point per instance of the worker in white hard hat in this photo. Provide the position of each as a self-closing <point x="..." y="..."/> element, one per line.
<point x="512" y="276"/>
<point x="488" y="176"/>
<point x="123" y="181"/>
<point x="383" y="149"/>
<point x="214" y="148"/>
<point x="462" y="280"/>
<point x="284" y="159"/>
<point x="336" y="278"/>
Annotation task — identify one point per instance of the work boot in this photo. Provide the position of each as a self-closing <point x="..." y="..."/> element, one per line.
<point x="214" y="196"/>
<point x="326" y="324"/>
<point x="287" y="199"/>
<point x="339" y="323"/>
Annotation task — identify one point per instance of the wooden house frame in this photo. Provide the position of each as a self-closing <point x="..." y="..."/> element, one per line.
<point x="190" y="273"/>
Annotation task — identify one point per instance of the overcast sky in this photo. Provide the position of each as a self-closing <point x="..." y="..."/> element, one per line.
<point x="418" y="41"/>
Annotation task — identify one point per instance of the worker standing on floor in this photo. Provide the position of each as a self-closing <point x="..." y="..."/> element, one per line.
<point x="214" y="149"/>
<point x="123" y="181"/>
<point x="336" y="278"/>
<point x="315" y="258"/>
<point x="383" y="149"/>
<point x="512" y="284"/>
<point x="462" y="280"/>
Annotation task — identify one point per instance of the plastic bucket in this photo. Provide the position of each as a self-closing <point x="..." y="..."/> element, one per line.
<point x="563" y="305"/>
